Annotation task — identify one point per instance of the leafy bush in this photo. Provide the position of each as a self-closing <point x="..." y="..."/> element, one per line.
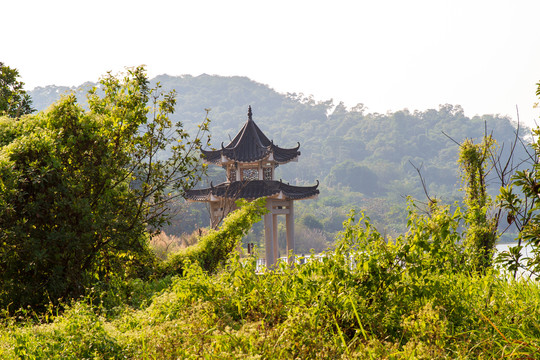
<point x="80" y="189"/>
<point x="78" y="334"/>
<point x="215" y="247"/>
<point x="369" y="298"/>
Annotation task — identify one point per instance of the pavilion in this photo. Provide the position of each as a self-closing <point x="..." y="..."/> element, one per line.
<point x="250" y="160"/>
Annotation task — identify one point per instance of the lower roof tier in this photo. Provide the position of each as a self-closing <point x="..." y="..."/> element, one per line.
<point x="252" y="190"/>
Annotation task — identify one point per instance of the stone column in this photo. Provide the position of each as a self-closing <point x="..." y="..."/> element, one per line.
<point x="268" y="235"/>
<point x="275" y="239"/>
<point x="213" y="219"/>
<point x="289" y="224"/>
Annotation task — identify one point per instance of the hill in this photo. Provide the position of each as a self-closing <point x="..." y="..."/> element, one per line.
<point x="363" y="160"/>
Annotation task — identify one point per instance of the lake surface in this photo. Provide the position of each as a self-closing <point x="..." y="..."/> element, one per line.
<point x="526" y="252"/>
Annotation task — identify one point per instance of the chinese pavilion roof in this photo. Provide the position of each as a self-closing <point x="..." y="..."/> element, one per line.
<point x="251" y="145"/>
<point x="252" y="190"/>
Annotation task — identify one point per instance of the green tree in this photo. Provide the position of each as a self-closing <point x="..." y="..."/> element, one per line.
<point x="79" y="190"/>
<point x="521" y="199"/>
<point x="358" y="177"/>
<point x="14" y="101"/>
<point x="311" y="222"/>
<point x="482" y="227"/>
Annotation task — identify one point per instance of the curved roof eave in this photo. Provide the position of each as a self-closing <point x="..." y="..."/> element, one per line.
<point x="252" y="190"/>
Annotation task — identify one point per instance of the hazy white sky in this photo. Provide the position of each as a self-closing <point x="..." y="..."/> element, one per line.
<point x="386" y="54"/>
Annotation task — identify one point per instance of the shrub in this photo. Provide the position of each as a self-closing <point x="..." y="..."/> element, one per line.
<point x="215" y="247"/>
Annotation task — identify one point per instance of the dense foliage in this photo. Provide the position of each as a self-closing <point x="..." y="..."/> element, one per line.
<point x="520" y="199"/>
<point x="14" y="100"/>
<point x="481" y="226"/>
<point x="214" y="248"/>
<point x="79" y="190"/>
<point x="411" y="297"/>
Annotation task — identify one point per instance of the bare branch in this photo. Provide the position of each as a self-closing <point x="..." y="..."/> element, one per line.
<point x="448" y="136"/>
<point x="418" y="170"/>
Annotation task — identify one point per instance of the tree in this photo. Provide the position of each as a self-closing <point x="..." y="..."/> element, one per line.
<point x="14" y="101"/>
<point x="358" y="177"/>
<point x="482" y="227"/>
<point x="521" y="199"/>
<point x="311" y="222"/>
<point x="79" y="190"/>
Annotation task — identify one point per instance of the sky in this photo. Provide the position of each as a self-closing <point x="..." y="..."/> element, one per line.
<point x="386" y="54"/>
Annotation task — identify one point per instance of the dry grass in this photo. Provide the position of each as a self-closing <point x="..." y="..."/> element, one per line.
<point x="163" y="244"/>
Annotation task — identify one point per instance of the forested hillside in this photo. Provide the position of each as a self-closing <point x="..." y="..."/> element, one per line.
<point x="362" y="159"/>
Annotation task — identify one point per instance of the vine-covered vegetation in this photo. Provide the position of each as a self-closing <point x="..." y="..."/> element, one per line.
<point x="82" y="190"/>
<point x="214" y="247"/>
<point x="412" y="297"/>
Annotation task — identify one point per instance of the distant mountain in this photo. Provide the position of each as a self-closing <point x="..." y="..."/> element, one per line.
<point x="350" y="151"/>
<point x="43" y="97"/>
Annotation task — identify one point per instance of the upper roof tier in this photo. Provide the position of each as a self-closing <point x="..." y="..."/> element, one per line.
<point x="251" y="145"/>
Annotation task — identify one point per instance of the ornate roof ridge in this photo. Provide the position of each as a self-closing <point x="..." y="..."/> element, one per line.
<point x="249" y="126"/>
<point x="251" y="144"/>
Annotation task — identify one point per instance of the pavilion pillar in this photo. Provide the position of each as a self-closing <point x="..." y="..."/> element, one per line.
<point x="289" y="224"/>
<point x="213" y="215"/>
<point x="275" y="238"/>
<point x="269" y="236"/>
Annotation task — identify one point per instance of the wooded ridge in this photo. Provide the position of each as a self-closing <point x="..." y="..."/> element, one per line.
<point x="363" y="160"/>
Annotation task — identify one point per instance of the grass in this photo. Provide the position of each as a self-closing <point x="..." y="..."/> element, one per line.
<point x="369" y="298"/>
<point x="312" y="311"/>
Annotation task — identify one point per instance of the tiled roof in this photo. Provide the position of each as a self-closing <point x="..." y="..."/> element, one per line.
<point x="250" y="145"/>
<point x="252" y="190"/>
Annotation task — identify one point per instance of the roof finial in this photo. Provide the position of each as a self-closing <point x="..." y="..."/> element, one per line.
<point x="249" y="113"/>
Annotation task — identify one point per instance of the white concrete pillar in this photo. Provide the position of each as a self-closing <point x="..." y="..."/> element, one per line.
<point x="269" y="236"/>
<point x="213" y="217"/>
<point x="289" y="224"/>
<point x="275" y="239"/>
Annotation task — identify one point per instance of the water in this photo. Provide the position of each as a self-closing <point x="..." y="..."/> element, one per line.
<point x="525" y="252"/>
